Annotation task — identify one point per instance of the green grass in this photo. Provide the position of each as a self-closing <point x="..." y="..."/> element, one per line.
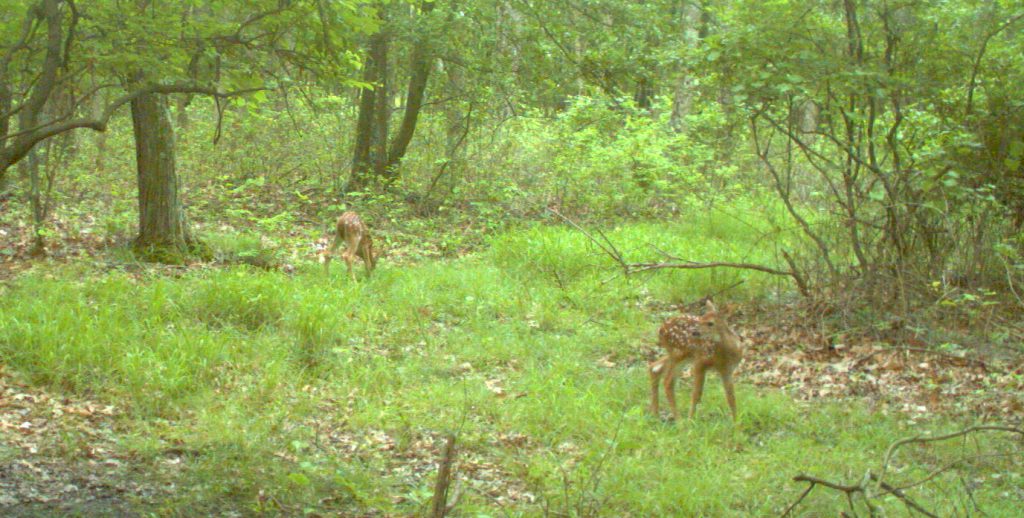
<point x="266" y="376"/>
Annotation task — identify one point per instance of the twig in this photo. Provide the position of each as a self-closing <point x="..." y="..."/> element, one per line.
<point x="859" y="361"/>
<point x="440" y="500"/>
<point x="920" y="439"/>
<point x="643" y="267"/>
<point x="798" y="500"/>
<point x="950" y="466"/>
<point x="608" y="247"/>
<point x="903" y="496"/>
<point x="882" y="487"/>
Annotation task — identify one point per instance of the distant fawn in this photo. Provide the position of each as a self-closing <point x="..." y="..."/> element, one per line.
<point x="709" y="343"/>
<point x="351" y="229"/>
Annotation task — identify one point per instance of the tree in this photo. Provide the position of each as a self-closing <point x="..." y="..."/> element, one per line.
<point x="876" y="179"/>
<point x="373" y="157"/>
<point x="222" y="50"/>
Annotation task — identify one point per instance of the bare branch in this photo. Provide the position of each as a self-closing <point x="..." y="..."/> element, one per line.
<point x="444" y="472"/>
<point x="973" y="83"/>
<point x="922" y="439"/>
<point x="690" y="265"/>
<point x="881" y="487"/>
<point x="23" y="144"/>
<point x="803" y="495"/>
<point x="608" y="247"/>
<point x="604" y="244"/>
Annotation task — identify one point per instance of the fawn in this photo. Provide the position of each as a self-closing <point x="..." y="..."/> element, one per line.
<point x="709" y="343"/>
<point x="351" y="229"/>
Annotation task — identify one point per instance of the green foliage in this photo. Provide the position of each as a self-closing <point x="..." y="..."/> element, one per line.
<point x="246" y="248"/>
<point x="271" y="378"/>
<point x="900" y="166"/>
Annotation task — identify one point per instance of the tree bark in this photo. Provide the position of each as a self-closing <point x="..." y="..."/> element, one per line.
<point x="455" y="119"/>
<point x="163" y="233"/>
<point x="381" y="108"/>
<point x="370" y="151"/>
<point x="5" y="127"/>
<point x="421" y="61"/>
<point x="693" y="25"/>
<point x="19" y="147"/>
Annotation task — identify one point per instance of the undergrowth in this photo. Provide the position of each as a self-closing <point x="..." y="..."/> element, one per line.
<point x="331" y="396"/>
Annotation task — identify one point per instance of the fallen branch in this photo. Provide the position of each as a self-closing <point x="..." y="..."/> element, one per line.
<point x="872" y="485"/>
<point x="889" y="452"/>
<point x="690" y="265"/>
<point x="604" y="243"/>
<point x="860" y="361"/>
<point x="609" y="248"/>
<point x="444" y="475"/>
<point x="851" y="490"/>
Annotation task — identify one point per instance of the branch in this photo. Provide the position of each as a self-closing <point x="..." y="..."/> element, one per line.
<point x="973" y="83"/>
<point x="22" y="43"/>
<point x="690" y="265"/>
<point x="889" y="489"/>
<point x="27" y="140"/>
<point x="921" y="439"/>
<point x="903" y="496"/>
<point x="604" y="244"/>
<point x="800" y="499"/>
<point x="608" y="247"/>
<point x="444" y="472"/>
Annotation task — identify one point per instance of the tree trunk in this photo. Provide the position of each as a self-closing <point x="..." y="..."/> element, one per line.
<point x="5" y="127"/>
<point x="101" y="136"/>
<point x="19" y="147"/>
<point x="370" y="153"/>
<point x="163" y="234"/>
<point x="692" y="23"/>
<point x="29" y="169"/>
<point x="422" y="57"/>
<point x="456" y="120"/>
<point x="381" y="109"/>
<point x="644" y="92"/>
<point x="31" y="165"/>
<point x="183" y="101"/>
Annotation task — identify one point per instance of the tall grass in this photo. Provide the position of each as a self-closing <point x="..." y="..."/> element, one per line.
<point x="536" y="338"/>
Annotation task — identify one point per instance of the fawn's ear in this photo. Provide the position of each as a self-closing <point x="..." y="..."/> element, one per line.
<point x="729" y="309"/>
<point x="709" y="306"/>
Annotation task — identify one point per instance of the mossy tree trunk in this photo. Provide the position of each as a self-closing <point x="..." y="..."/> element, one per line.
<point x="163" y="233"/>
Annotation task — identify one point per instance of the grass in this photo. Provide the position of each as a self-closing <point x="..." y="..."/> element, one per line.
<point x="331" y="395"/>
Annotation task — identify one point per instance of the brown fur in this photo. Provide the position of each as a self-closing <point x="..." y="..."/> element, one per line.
<point x="709" y="343"/>
<point x="358" y="242"/>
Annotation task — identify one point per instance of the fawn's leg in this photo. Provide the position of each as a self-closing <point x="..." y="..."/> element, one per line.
<point x="669" y="382"/>
<point x="700" y="368"/>
<point x="352" y="240"/>
<point x="730" y="396"/>
<point x="655" y="370"/>
<point x="365" y="254"/>
<point x="331" y="250"/>
<point x="348" y="261"/>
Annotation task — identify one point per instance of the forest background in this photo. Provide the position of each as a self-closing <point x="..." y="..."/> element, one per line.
<point x="547" y="182"/>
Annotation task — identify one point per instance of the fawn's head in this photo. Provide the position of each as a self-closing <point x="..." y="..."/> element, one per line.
<point x="715" y="319"/>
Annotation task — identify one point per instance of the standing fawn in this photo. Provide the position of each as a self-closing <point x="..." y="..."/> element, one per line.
<point x="351" y="229"/>
<point x="709" y="343"/>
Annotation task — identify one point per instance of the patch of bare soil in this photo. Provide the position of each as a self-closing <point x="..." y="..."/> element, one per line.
<point x="412" y="460"/>
<point x="57" y="458"/>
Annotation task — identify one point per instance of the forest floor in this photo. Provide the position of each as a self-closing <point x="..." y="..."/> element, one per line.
<point x="61" y="453"/>
<point x="132" y="390"/>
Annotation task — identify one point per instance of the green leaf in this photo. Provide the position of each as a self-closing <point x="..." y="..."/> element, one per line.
<point x="299" y="479"/>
